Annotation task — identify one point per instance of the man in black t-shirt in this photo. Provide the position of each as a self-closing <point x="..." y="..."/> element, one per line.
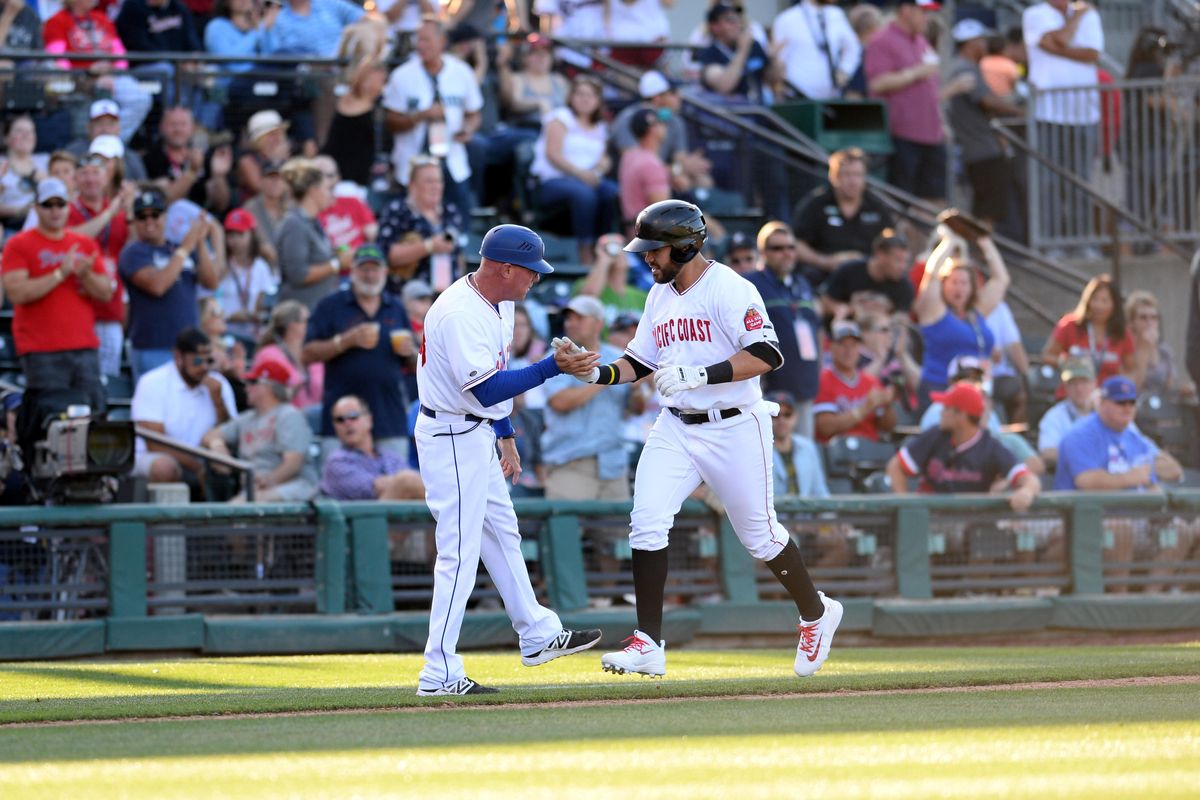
<point x="734" y="65"/>
<point x="837" y="223"/>
<point x="885" y="272"/>
<point x="959" y="455"/>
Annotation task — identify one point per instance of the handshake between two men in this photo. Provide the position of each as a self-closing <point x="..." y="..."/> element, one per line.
<point x="580" y="363"/>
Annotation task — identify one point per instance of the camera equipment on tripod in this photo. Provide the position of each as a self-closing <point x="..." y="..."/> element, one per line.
<point x="71" y="455"/>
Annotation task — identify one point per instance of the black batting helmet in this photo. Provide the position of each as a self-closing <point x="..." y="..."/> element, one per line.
<point x="672" y="223"/>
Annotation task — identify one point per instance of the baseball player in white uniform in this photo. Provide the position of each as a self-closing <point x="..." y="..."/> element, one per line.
<point x="466" y="396"/>
<point x="714" y="428"/>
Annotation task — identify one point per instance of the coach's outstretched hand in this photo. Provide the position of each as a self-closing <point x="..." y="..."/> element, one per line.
<point x="673" y="380"/>
<point x="574" y="360"/>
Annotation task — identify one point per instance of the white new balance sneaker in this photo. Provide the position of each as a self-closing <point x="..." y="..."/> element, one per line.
<point x="641" y="655"/>
<point x="564" y="644"/>
<point x="815" y="638"/>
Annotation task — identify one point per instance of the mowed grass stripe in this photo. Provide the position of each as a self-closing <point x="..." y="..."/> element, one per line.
<point x="1076" y="742"/>
<point x="123" y="689"/>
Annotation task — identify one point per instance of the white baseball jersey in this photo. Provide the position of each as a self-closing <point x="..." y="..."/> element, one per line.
<point x="718" y="315"/>
<point x="466" y="341"/>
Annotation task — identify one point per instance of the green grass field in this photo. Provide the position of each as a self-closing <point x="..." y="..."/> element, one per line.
<point x="779" y="737"/>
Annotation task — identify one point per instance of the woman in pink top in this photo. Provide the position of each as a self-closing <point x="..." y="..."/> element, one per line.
<point x="282" y="342"/>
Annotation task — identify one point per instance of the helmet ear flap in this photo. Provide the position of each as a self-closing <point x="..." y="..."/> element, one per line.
<point x="682" y="255"/>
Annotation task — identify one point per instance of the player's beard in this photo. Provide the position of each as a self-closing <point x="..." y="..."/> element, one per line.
<point x="667" y="273"/>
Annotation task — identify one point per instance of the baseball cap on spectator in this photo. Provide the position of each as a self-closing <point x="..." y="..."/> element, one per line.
<point x="642" y="120"/>
<point x="928" y="5"/>
<point x="652" y="84"/>
<point x="416" y="289"/>
<point x="721" y="9"/>
<point x="627" y="319"/>
<point x="586" y="306"/>
<point x="960" y="366"/>
<point x="841" y="330"/>
<point x="965" y="397"/>
<point x="1119" y="389"/>
<point x="263" y="122"/>
<point x="272" y="168"/>
<point x="149" y="199"/>
<point x="368" y="254"/>
<point x="738" y="240"/>
<point x="1078" y="368"/>
<point x="784" y="399"/>
<point x="967" y="29"/>
<point x="268" y="370"/>
<point x="535" y="40"/>
<point x="104" y="108"/>
<point x="108" y="146"/>
<point x="239" y="219"/>
<point x="888" y="239"/>
<point x="51" y="189"/>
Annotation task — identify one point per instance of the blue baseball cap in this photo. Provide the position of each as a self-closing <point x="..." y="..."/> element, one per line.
<point x="516" y="244"/>
<point x="1118" y="389"/>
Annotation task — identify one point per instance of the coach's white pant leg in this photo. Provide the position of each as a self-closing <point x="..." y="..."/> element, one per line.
<point x="535" y="624"/>
<point x="736" y="460"/>
<point x="664" y="479"/>
<point x="453" y="468"/>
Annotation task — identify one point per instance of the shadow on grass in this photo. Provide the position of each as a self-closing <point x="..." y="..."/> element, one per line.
<point x="502" y="727"/>
<point x="122" y="677"/>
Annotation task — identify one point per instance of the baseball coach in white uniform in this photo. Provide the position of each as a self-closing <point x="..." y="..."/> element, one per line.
<point x="714" y="428"/>
<point x="466" y="397"/>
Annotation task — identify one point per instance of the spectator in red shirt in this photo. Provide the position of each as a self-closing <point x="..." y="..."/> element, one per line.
<point x="79" y="28"/>
<point x="642" y="177"/>
<point x="51" y="274"/>
<point x="849" y="401"/>
<point x="902" y="68"/>
<point x="101" y="214"/>
<point x="1095" y="330"/>
<point x="348" y="222"/>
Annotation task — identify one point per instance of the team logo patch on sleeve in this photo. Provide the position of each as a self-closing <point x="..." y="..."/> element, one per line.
<point x="753" y="320"/>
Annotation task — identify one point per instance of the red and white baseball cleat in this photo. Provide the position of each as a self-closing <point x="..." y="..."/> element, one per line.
<point x="641" y="655"/>
<point x="815" y="638"/>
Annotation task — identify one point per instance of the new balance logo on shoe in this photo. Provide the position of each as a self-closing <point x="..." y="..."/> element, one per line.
<point x="462" y="686"/>
<point x="564" y="644"/>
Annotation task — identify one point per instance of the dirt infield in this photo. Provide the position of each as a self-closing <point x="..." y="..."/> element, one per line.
<point x="442" y="705"/>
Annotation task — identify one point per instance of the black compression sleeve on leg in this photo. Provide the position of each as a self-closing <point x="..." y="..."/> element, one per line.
<point x="649" y="582"/>
<point x="789" y="569"/>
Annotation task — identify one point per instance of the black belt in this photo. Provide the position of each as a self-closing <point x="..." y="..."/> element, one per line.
<point x="699" y="419"/>
<point x="429" y="412"/>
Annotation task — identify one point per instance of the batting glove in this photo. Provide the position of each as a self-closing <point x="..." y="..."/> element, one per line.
<point x="559" y="341"/>
<point x="673" y="380"/>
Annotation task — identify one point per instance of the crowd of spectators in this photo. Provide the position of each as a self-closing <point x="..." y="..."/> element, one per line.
<point x="258" y="251"/>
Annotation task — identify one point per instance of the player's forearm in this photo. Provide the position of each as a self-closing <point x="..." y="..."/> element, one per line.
<point x="747" y="365"/>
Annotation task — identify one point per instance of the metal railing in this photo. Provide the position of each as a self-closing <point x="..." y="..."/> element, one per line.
<point x="1132" y="149"/>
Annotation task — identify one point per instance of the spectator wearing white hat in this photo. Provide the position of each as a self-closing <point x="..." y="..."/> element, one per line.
<point x="970" y="107"/>
<point x="104" y="119"/>
<point x="50" y="275"/>
<point x="817" y="47"/>
<point x="266" y="133"/>
<point x="689" y="169"/>
<point x="581" y="444"/>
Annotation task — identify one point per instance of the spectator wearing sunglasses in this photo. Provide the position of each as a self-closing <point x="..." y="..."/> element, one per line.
<point x="741" y="254"/>
<point x="182" y="399"/>
<point x="792" y="307"/>
<point x="885" y="272"/>
<point x="357" y="470"/>
<point x="162" y="279"/>
<point x="797" y="468"/>
<point x="1105" y="452"/>
<point x="50" y="275"/>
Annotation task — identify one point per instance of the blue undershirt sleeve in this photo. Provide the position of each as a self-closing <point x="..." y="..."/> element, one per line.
<point x="509" y="383"/>
<point x="503" y="428"/>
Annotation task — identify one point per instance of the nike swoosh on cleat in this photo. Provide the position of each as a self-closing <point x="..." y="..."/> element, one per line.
<point x="816" y="649"/>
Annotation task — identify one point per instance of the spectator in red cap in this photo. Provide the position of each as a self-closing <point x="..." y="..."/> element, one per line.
<point x="273" y="436"/>
<point x="961" y="456"/>
<point x="247" y="280"/>
<point x="849" y="400"/>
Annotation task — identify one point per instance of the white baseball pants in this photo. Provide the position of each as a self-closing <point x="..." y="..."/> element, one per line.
<point x="466" y="493"/>
<point x="733" y="456"/>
